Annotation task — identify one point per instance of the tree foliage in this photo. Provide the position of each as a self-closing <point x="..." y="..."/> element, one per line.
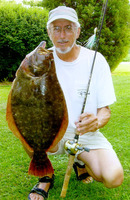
<point x="115" y="38"/>
<point x="21" y="30"/>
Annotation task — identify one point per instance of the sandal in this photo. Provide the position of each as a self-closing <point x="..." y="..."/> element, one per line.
<point x="44" y="194"/>
<point x="82" y="176"/>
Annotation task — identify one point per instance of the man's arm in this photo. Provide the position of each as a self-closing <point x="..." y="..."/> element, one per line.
<point x="89" y="122"/>
<point x="103" y="115"/>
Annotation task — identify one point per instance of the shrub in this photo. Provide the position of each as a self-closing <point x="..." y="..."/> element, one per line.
<point x="21" y="30"/>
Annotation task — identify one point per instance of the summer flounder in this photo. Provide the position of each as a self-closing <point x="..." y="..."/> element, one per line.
<point x="36" y="108"/>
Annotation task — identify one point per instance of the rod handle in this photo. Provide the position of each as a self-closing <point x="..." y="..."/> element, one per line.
<point x="67" y="176"/>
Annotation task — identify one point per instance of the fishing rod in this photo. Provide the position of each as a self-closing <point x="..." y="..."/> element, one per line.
<point x="96" y="49"/>
<point x="72" y="146"/>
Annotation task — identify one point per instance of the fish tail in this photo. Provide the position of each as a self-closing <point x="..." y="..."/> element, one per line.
<point x="40" y="167"/>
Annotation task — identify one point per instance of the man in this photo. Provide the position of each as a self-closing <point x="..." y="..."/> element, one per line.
<point x="73" y="65"/>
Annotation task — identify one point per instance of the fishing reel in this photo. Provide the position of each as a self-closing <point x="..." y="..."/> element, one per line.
<point x="72" y="147"/>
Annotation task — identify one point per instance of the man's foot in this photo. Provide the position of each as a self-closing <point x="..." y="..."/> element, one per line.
<point x="40" y="190"/>
<point x="81" y="173"/>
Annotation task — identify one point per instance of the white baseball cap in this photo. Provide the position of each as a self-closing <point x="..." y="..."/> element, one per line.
<point x="63" y="12"/>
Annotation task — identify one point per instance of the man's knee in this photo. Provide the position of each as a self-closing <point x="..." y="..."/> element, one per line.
<point x="54" y="150"/>
<point x="114" y="179"/>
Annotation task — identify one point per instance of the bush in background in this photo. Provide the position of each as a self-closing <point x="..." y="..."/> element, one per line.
<point x="127" y="58"/>
<point x="21" y="30"/>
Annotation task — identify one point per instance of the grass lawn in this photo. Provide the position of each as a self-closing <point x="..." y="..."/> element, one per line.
<point x="15" y="181"/>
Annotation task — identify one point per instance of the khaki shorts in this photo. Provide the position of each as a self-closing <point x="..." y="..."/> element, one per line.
<point x="92" y="140"/>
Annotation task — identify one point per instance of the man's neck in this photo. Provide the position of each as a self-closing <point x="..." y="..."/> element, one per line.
<point x="71" y="55"/>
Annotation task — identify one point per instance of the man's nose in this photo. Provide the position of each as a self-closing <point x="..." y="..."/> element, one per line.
<point x="62" y="33"/>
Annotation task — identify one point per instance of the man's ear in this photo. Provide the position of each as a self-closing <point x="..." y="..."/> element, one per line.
<point x="78" y="33"/>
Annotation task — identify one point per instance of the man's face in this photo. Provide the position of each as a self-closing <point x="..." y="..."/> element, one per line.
<point x="63" y="34"/>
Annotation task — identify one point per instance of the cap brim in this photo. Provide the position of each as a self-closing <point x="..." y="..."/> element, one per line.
<point x="63" y="17"/>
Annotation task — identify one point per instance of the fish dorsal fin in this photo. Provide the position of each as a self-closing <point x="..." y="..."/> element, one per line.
<point x="12" y="126"/>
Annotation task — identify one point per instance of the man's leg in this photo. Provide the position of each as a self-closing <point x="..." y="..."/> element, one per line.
<point x="44" y="186"/>
<point x="104" y="166"/>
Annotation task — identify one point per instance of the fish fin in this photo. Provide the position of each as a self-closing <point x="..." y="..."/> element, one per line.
<point x="40" y="169"/>
<point x="12" y="126"/>
<point x="62" y="129"/>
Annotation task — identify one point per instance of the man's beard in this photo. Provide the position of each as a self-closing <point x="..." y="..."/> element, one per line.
<point x="67" y="50"/>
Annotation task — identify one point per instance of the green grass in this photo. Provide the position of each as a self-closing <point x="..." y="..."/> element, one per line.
<point x="15" y="181"/>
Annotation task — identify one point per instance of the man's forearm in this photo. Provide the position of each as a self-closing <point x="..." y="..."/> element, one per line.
<point x="103" y="116"/>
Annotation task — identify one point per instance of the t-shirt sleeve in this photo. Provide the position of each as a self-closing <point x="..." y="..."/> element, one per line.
<point x="105" y="92"/>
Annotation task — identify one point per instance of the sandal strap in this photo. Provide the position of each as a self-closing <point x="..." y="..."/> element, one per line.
<point x="44" y="194"/>
<point x="39" y="191"/>
<point x="80" y="166"/>
<point x="47" y="179"/>
<point x="82" y="176"/>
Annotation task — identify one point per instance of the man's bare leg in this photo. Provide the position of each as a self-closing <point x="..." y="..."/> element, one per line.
<point x="104" y="166"/>
<point x="44" y="186"/>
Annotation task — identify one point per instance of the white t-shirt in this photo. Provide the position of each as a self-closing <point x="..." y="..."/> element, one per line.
<point x="73" y="78"/>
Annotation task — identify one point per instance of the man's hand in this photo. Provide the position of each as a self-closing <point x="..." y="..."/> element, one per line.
<point x="88" y="122"/>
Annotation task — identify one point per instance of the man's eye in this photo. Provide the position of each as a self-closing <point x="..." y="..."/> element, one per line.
<point x="69" y="27"/>
<point x="56" y="28"/>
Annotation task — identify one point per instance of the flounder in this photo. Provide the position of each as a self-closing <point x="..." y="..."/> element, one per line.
<point x="36" y="108"/>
